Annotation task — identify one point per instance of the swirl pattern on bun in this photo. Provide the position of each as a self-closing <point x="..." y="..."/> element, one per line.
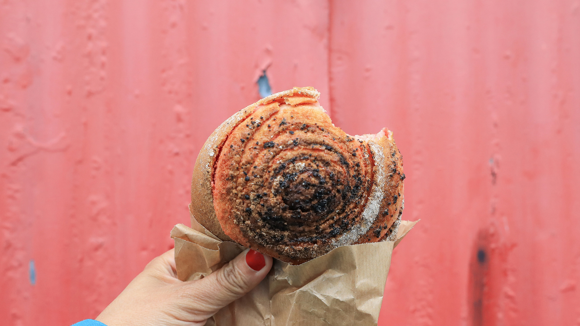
<point x="280" y="178"/>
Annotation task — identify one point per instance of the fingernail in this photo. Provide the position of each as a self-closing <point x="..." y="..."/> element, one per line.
<point x="255" y="260"/>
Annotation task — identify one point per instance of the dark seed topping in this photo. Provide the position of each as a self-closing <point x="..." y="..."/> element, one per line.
<point x="269" y="144"/>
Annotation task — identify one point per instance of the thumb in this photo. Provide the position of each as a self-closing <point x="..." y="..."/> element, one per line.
<point x="230" y="282"/>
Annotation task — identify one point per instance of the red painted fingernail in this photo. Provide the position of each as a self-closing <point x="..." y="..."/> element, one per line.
<point x="255" y="260"/>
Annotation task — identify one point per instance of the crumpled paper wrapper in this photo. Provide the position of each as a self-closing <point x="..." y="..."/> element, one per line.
<point x="343" y="287"/>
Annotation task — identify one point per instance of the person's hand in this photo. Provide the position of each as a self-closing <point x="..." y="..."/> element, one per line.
<point x="157" y="297"/>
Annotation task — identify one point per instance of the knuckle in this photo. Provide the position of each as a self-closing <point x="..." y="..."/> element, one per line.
<point x="232" y="279"/>
<point x="195" y="304"/>
<point x="153" y="263"/>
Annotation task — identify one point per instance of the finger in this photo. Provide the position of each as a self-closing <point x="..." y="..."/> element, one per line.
<point x="168" y="259"/>
<point x="229" y="283"/>
<point x="164" y="264"/>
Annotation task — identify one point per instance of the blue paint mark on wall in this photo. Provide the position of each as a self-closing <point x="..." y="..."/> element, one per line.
<point x="264" y="85"/>
<point x="32" y="272"/>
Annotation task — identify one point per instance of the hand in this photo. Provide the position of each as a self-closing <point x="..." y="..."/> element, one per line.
<point x="157" y="297"/>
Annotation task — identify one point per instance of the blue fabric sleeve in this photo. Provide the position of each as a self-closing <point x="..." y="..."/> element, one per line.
<point x="89" y="322"/>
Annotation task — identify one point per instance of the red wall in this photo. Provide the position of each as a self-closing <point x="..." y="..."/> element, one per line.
<point x="105" y="104"/>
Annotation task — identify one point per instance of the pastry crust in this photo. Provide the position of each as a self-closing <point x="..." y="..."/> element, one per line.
<point x="310" y="189"/>
<point x="201" y="187"/>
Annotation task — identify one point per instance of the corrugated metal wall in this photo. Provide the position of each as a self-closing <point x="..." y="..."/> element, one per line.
<point x="104" y="105"/>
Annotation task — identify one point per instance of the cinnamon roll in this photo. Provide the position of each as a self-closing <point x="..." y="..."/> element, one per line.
<point x="280" y="178"/>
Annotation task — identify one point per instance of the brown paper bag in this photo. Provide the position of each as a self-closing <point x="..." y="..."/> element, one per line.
<point x="343" y="287"/>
